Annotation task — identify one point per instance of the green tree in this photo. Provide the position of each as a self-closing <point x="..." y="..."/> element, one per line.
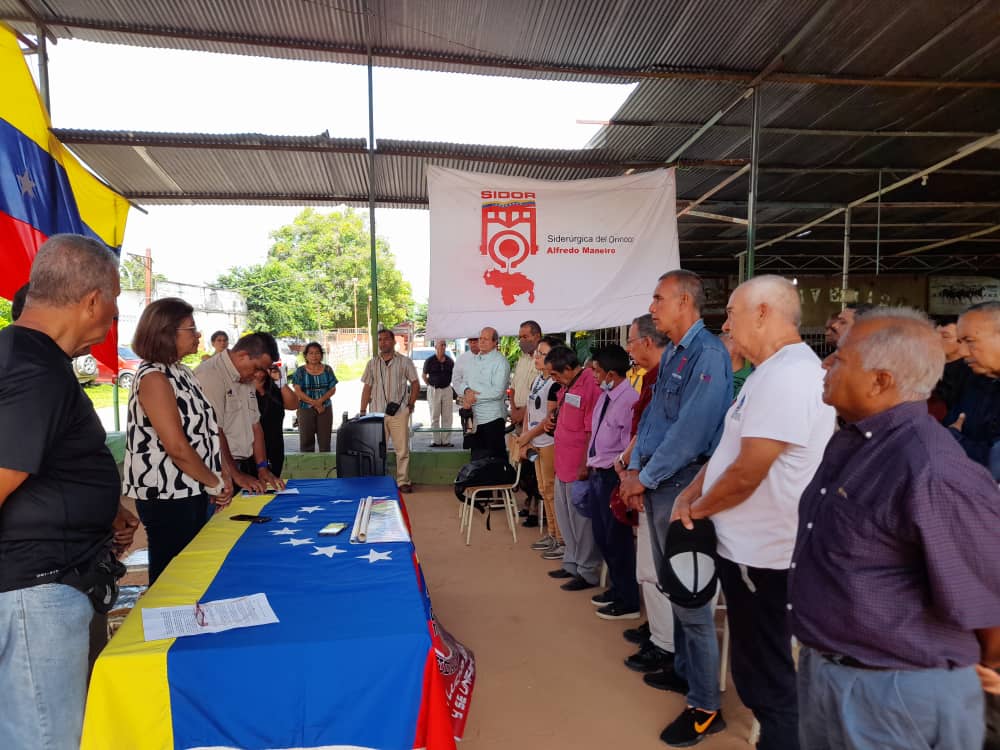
<point x="132" y="273"/>
<point x="4" y="313"/>
<point x="306" y="283"/>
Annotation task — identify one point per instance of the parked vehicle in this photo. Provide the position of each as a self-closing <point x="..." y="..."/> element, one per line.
<point x="89" y="370"/>
<point x="289" y="360"/>
<point x="128" y="363"/>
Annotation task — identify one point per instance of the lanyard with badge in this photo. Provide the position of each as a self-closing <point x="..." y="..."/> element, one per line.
<point x="535" y="396"/>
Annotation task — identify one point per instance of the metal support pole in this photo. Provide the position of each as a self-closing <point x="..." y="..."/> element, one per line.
<point x="878" y="225"/>
<point x="752" y="194"/>
<point x="371" y="177"/>
<point x="43" y="70"/>
<point x="742" y="272"/>
<point x="847" y="259"/>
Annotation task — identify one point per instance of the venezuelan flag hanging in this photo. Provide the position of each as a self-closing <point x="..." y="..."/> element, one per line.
<point x="357" y="660"/>
<point x="44" y="189"/>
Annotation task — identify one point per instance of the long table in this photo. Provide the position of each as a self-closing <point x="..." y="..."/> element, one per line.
<point x="357" y="660"/>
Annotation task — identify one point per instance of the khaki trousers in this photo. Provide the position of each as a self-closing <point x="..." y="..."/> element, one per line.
<point x="441" y="405"/>
<point x="545" y="471"/>
<point x="397" y="430"/>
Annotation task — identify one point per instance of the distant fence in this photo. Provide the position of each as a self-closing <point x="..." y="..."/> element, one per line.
<point x="342" y="344"/>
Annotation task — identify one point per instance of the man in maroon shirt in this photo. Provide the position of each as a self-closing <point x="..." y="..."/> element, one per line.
<point x="894" y="588"/>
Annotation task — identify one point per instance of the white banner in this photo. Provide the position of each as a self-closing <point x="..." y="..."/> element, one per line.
<point x="572" y="255"/>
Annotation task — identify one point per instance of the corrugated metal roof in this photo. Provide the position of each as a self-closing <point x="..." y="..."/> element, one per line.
<point x="599" y="41"/>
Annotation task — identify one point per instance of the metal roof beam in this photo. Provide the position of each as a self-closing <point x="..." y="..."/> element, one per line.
<point x="276" y="198"/>
<point x="712" y="191"/>
<point x="818" y="132"/>
<point x="506" y="64"/>
<point x="953" y="240"/>
<point x="858" y="225"/>
<point x="968" y="149"/>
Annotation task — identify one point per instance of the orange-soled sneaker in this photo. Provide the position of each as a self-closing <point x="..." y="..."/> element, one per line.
<point x="692" y="726"/>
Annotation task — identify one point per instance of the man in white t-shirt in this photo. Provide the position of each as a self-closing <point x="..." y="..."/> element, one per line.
<point x="772" y="443"/>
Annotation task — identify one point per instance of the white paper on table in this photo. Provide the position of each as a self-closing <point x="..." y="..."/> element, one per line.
<point x="288" y="491"/>
<point x="206" y="617"/>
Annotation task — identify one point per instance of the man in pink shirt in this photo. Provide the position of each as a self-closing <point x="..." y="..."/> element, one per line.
<point x="581" y="559"/>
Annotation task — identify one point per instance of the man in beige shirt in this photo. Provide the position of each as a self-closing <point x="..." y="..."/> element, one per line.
<point x="525" y="373"/>
<point x="225" y="378"/>
<point x="391" y="378"/>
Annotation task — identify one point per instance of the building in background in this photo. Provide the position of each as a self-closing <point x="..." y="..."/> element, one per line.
<point x="214" y="309"/>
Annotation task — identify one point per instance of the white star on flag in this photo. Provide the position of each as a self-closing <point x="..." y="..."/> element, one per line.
<point x="310" y="509"/>
<point x="374" y="556"/>
<point x="291" y="519"/>
<point x="285" y="531"/>
<point x="329" y="551"/>
<point x="26" y="184"/>
<point x="297" y="542"/>
<point x="338" y="502"/>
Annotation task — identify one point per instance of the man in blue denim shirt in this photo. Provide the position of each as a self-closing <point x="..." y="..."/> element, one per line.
<point x="677" y="433"/>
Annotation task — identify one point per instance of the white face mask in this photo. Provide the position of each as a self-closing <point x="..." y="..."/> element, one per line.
<point x="607" y="386"/>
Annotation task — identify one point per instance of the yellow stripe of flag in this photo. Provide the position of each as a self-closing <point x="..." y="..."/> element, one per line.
<point x="131" y="666"/>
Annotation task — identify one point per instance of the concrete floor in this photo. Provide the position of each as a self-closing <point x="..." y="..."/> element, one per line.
<point x="550" y="673"/>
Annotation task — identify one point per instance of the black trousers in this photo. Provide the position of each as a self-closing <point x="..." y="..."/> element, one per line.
<point x="170" y="527"/>
<point x="761" y="638"/>
<point x="614" y="539"/>
<point x="488" y="440"/>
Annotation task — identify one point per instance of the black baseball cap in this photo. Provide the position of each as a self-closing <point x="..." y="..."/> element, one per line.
<point x="689" y="575"/>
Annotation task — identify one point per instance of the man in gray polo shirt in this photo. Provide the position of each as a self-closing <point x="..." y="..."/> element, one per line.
<point x="226" y="380"/>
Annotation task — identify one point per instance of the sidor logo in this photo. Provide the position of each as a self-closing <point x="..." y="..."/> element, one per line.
<point x="508" y="239"/>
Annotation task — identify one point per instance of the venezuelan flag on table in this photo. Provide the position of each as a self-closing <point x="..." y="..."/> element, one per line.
<point x="356" y="661"/>
<point x="44" y="189"/>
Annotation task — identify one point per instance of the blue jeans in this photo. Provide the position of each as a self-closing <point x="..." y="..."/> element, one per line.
<point x="843" y="708"/>
<point x="696" y="654"/>
<point x="696" y="645"/>
<point x="44" y="642"/>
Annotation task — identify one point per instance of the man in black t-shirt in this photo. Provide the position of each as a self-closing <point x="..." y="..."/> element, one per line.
<point x="59" y="493"/>
<point x="437" y="376"/>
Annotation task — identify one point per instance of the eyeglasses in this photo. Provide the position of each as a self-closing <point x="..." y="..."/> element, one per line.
<point x="193" y="329"/>
<point x="629" y="342"/>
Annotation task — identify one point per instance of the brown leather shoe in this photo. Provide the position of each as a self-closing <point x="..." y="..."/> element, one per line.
<point x="406" y="488"/>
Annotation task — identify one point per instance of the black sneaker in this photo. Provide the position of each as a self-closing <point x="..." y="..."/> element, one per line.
<point x="650" y="658"/>
<point x="530" y="522"/>
<point x="560" y="573"/>
<point x="692" y="726"/>
<point x="605" y="597"/>
<point x="522" y="513"/>
<point x="617" y="611"/>
<point x="577" y="584"/>
<point x="667" y="679"/>
<point x="638" y="635"/>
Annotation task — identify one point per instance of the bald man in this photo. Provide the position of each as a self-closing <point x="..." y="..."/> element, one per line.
<point x="975" y="419"/>
<point x="772" y="441"/>
<point x="483" y="390"/>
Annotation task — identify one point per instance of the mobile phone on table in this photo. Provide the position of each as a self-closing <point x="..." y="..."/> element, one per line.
<point x="250" y="518"/>
<point x="332" y="529"/>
